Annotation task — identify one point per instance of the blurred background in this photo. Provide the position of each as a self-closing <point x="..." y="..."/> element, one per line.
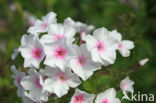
<point x="135" y="19"/>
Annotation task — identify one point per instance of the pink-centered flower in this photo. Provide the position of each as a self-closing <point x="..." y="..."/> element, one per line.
<point x="82" y="64"/>
<point x="17" y="82"/>
<point x="59" y="82"/>
<point x="59" y="31"/>
<point x="102" y="46"/>
<point x="35" y="85"/>
<point x="43" y="25"/>
<point x="58" y="54"/>
<point x="108" y="96"/>
<point x="124" y="46"/>
<point x="82" y="97"/>
<point x="31" y="50"/>
<point x="126" y="85"/>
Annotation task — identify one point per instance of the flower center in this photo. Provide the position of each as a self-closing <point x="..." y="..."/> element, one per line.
<point x="19" y="81"/>
<point x="37" y="82"/>
<point x="120" y="45"/>
<point x="81" y="60"/>
<point x="79" y="98"/>
<point x="100" y="46"/>
<point x="37" y="53"/>
<point x="105" y="101"/>
<point x="61" y="77"/>
<point x="60" y="52"/>
<point x="124" y="85"/>
<point x="44" y="26"/>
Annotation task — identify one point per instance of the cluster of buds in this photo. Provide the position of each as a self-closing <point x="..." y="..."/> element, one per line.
<point x="69" y="51"/>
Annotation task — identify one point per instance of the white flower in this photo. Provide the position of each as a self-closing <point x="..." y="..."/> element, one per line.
<point x="58" y="31"/>
<point x="59" y="82"/>
<point x="143" y="61"/>
<point x="108" y="96"/>
<point x="124" y="46"/>
<point x="126" y="85"/>
<point x="82" y="64"/>
<point x="102" y="46"/>
<point x="42" y="25"/>
<point x="14" y="54"/>
<point x="17" y="82"/>
<point x="34" y="83"/>
<point x="31" y="50"/>
<point x="58" y="54"/>
<point x="79" y="26"/>
<point x="82" y="97"/>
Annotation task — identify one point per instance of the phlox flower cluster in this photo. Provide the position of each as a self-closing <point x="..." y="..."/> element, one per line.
<point x="69" y="52"/>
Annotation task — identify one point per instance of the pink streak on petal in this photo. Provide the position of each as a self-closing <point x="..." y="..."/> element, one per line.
<point x="59" y="36"/>
<point x="100" y="46"/>
<point x="19" y="81"/>
<point x="61" y="77"/>
<point x="60" y="53"/>
<point x="120" y="45"/>
<point x="105" y="101"/>
<point x="37" y="82"/>
<point x="37" y="53"/>
<point x="44" y="26"/>
<point x="81" y="60"/>
<point x="81" y="32"/>
<point x="79" y="98"/>
<point x="124" y="85"/>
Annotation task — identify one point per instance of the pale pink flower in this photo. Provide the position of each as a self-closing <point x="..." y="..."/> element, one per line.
<point x="35" y="85"/>
<point x="58" y="54"/>
<point x="108" y="96"/>
<point x="124" y="46"/>
<point x="17" y="82"/>
<point x="126" y="85"/>
<point x="82" y="64"/>
<point x="82" y="97"/>
<point x="59" y="82"/>
<point x="102" y="46"/>
<point x="31" y="50"/>
<point x="42" y="25"/>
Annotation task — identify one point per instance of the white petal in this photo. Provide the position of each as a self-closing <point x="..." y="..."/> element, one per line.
<point x="60" y="89"/>
<point x="96" y="56"/>
<point x="47" y="39"/>
<point x="56" y="29"/>
<point x="109" y="56"/>
<point x="73" y="81"/>
<point x="90" y="41"/>
<point x="124" y="52"/>
<point x="48" y="84"/>
<point x="127" y="44"/>
<point x="69" y="32"/>
<point x="84" y="74"/>
<point x="26" y="51"/>
<point x="101" y="34"/>
<point x="27" y="83"/>
<point x="115" y="35"/>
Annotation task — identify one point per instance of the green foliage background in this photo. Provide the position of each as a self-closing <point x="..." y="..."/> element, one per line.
<point x="135" y="19"/>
